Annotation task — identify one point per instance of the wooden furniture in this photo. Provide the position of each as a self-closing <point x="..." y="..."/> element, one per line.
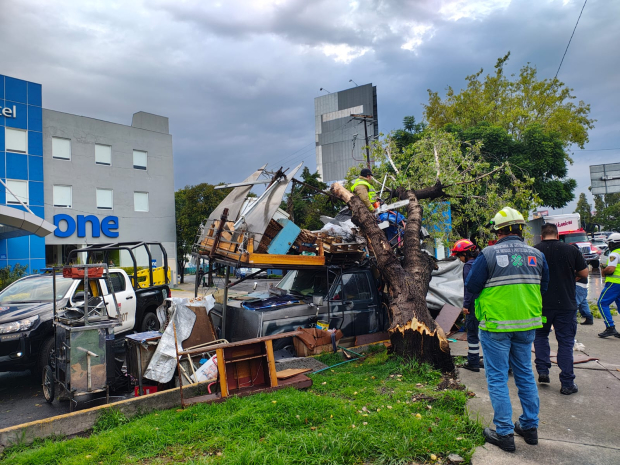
<point x="244" y="368"/>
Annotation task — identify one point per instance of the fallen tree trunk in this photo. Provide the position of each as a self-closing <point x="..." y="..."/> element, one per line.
<point x="413" y="332"/>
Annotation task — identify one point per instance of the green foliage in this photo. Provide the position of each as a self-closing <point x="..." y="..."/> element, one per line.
<point x="9" y="275"/>
<point x="513" y="103"/>
<point x="474" y="197"/>
<point x="585" y="212"/>
<point x="306" y="205"/>
<point x="193" y="204"/>
<point x="607" y="212"/>
<point x="110" y="418"/>
<point x="411" y="133"/>
<point x="379" y="411"/>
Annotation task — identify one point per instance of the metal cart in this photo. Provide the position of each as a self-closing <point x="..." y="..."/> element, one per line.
<point x="82" y="362"/>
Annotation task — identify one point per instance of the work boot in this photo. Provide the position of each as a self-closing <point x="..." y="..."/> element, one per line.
<point x="609" y="331"/>
<point x="568" y="390"/>
<point x="588" y="321"/>
<point x="544" y="378"/>
<point x="470" y="367"/>
<point x="530" y="435"/>
<point x="506" y="442"/>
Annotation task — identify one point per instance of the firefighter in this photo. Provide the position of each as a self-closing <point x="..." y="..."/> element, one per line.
<point x="611" y="291"/>
<point x="364" y="190"/>
<point x="467" y="252"/>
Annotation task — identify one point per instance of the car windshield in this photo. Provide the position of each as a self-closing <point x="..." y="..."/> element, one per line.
<point x="36" y="289"/>
<point x="598" y="243"/>
<point x="577" y="237"/>
<point x="306" y="283"/>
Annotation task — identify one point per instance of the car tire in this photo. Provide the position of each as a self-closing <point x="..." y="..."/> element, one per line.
<point x="49" y="384"/>
<point x="150" y="322"/>
<point x="46" y="350"/>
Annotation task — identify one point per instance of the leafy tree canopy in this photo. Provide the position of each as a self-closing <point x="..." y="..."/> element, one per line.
<point x="193" y="204"/>
<point x="585" y="212"/>
<point x="607" y="211"/>
<point x="513" y="103"/>
<point x="306" y="205"/>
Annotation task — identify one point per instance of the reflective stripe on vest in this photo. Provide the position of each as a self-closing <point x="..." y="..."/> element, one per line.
<point x="513" y="279"/>
<point x="511" y="325"/>
<point x="615" y="277"/>
<point x="371" y="190"/>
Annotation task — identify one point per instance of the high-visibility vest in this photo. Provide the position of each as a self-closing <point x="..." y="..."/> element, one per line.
<point x="371" y="190"/>
<point x="511" y="299"/>
<point x="615" y="277"/>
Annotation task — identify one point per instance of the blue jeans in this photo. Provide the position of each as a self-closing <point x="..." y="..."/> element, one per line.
<point x="473" y="351"/>
<point x="581" y="295"/>
<point x="502" y="351"/>
<point x="609" y="294"/>
<point x="565" y="326"/>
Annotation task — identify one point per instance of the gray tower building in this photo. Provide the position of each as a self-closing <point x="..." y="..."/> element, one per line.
<point x="340" y="137"/>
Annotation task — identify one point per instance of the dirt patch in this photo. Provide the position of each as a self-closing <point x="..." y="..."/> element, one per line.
<point x="448" y="382"/>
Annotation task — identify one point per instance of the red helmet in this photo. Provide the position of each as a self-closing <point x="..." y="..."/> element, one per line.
<point x="463" y="245"/>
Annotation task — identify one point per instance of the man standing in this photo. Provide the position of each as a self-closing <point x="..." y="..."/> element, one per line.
<point x="581" y="296"/>
<point x="509" y="278"/>
<point x="566" y="265"/>
<point x="364" y="190"/>
<point x="611" y="291"/>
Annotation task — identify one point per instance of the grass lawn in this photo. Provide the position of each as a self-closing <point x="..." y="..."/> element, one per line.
<point x="379" y="411"/>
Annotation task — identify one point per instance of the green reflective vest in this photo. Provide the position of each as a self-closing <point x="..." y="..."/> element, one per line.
<point x="615" y="277"/>
<point x="511" y="299"/>
<point x="371" y="190"/>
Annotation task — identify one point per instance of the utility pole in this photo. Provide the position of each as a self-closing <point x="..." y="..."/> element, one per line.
<point x="365" y="119"/>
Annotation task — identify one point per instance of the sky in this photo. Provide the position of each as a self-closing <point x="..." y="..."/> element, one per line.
<point x="238" y="78"/>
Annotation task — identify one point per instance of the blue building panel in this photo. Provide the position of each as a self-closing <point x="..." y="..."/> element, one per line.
<point x="35" y="168"/>
<point x="20" y="121"/>
<point x="2" y="134"/>
<point x="35" y="94"/>
<point x="35" y="143"/>
<point x="18" y="248"/>
<point x="15" y="90"/>
<point x="37" y="247"/>
<point x="1" y="87"/>
<point x="21" y="261"/>
<point x="35" y="118"/>
<point x="36" y="265"/>
<point x="39" y="211"/>
<point x="3" y="194"/>
<point x="2" y="165"/>
<point x="35" y="193"/>
<point x="2" y="117"/>
<point x="16" y="166"/>
<point x="3" y="255"/>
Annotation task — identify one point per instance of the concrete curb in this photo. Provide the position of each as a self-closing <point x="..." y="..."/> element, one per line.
<point x="78" y="422"/>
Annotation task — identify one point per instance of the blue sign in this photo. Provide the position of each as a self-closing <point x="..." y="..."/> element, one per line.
<point x="108" y="226"/>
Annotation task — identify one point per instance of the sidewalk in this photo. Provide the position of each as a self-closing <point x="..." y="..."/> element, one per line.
<point x="578" y="429"/>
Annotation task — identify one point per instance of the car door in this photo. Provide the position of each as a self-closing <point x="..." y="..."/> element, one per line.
<point x="126" y="299"/>
<point x="353" y="303"/>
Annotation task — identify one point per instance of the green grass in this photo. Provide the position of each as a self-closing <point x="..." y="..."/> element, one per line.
<point x="379" y="411"/>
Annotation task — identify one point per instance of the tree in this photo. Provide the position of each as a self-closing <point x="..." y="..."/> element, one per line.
<point x="607" y="211"/>
<point x="522" y="119"/>
<point x="433" y="169"/>
<point x="193" y="204"/>
<point x="410" y="134"/>
<point x="305" y="205"/>
<point x="585" y="212"/>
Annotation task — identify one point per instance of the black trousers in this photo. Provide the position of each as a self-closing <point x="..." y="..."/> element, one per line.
<point x="565" y="326"/>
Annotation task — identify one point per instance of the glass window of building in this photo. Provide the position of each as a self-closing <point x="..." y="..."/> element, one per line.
<point x="141" y="201"/>
<point x="139" y="159"/>
<point x="104" y="199"/>
<point x="16" y="140"/>
<point x="62" y="196"/>
<point x="16" y="190"/>
<point x="103" y="154"/>
<point x="61" y="148"/>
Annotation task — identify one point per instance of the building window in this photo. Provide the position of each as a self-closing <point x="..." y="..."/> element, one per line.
<point x="104" y="199"/>
<point x="103" y="154"/>
<point x="16" y="140"/>
<point x="141" y="201"/>
<point x="139" y="159"/>
<point x="61" y="148"/>
<point x="16" y="190"/>
<point x="62" y="196"/>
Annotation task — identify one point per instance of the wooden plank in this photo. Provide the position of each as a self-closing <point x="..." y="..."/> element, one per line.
<point x="290" y="372"/>
<point x="203" y="330"/>
<point x="267" y="259"/>
<point x="447" y="316"/>
<point x="273" y="377"/>
<point x="226" y="345"/>
<point x="221" y="368"/>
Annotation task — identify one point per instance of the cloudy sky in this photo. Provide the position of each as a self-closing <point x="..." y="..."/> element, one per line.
<point x="237" y="78"/>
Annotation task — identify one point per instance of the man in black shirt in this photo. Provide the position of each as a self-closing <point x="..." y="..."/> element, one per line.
<point x="566" y="266"/>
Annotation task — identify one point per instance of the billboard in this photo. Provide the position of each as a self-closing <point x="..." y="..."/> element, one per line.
<point x="605" y="179"/>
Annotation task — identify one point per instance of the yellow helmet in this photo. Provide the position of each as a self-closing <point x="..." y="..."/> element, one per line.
<point x="507" y="217"/>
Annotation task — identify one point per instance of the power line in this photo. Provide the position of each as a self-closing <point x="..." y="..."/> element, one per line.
<point x="569" y="40"/>
<point x="594" y="150"/>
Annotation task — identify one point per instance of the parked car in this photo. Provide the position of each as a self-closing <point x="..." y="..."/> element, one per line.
<point x="243" y="272"/>
<point x="26" y="313"/>
<point x="599" y="245"/>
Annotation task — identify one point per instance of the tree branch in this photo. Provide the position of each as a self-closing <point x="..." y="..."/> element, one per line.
<point x="499" y="168"/>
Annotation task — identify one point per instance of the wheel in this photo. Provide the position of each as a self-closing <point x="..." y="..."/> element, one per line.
<point x="46" y="354"/>
<point x="149" y="323"/>
<point x="49" y="385"/>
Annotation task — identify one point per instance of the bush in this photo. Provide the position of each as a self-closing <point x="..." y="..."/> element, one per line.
<point x="9" y="275"/>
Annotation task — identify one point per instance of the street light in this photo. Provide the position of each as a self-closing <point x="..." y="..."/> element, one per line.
<point x="324" y="90"/>
<point x="351" y="80"/>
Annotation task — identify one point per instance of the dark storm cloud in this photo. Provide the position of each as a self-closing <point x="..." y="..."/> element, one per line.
<point x="237" y="79"/>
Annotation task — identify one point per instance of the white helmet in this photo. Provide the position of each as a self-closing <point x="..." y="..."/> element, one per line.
<point x="507" y="217"/>
<point x="615" y="237"/>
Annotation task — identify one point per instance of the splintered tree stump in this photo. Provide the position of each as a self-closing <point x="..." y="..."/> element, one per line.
<point x="413" y="332"/>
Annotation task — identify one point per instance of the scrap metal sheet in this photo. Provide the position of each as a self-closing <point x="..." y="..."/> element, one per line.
<point x="234" y="200"/>
<point x="446" y="286"/>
